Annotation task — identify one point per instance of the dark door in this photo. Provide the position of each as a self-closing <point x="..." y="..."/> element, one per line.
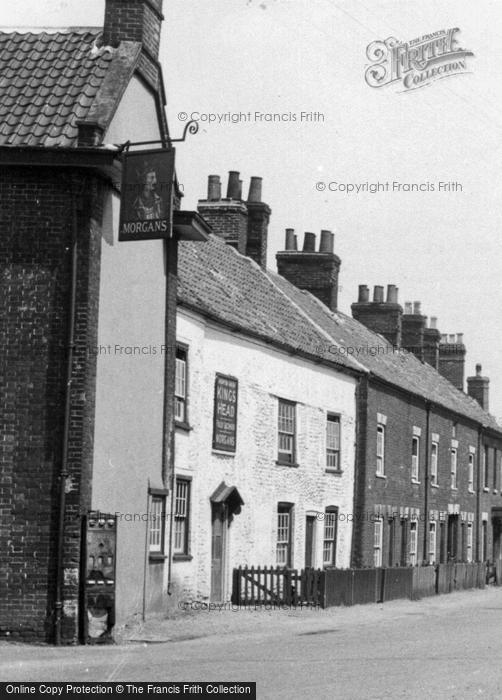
<point x="452" y="537"/>
<point x="218" y="538"/>
<point x="309" y="540"/>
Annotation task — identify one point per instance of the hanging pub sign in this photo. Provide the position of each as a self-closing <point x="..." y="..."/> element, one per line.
<point x="146" y="195"/>
<point x="225" y="413"/>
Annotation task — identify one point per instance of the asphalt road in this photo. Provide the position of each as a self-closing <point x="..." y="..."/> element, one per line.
<point x="443" y="647"/>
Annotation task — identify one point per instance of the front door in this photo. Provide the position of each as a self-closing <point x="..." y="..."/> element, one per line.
<point x="218" y="542"/>
<point x="309" y="540"/>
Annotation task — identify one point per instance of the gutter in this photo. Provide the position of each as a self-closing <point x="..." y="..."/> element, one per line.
<point x="63" y="475"/>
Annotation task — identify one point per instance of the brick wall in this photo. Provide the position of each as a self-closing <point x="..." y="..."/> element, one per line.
<point x="36" y="221"/>
<point x="228" y="219"/>
<point x="396" y="496"/>
<point x="315" y="272"/>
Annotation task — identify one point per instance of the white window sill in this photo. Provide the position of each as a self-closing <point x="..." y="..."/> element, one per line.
<point x="380" y="476"/>
<point x="471" y="490"/>
<point x="415" y="481"/>
<point x="454" y="488"/>
<point x="486" y="489"/>
<point x="434" y="486"/>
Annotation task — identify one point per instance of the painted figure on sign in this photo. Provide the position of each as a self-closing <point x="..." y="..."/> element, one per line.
<point x="148" y="204"/>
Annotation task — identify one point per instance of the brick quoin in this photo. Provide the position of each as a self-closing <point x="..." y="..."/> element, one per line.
<point x="35" y="249"/>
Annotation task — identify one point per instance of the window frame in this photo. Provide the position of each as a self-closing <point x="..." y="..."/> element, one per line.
<point x="292" y="435"/>
<point x="284" y="508"/>
<point x="179" y="399"/>
<point x="157" y="549"/>
<point x="453" y="472"/>
<point x="470" y="472"/>
<point x="380" y="443"/>
<point x="432" y="542"/>
<point x="330" y="511"/>
<point x="469" y="542"/>
<point x="415" y="458"/>
<point x="336" y="452"/>
<point x="413" y="542"/>
<point x="184" y="518"/>
<point x="486" y="455"/>
<point x="434" y="462"/>
<point x="378" y="542"/>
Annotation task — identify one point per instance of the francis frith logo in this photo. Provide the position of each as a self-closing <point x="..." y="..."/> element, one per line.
<point x="416" y="63"/>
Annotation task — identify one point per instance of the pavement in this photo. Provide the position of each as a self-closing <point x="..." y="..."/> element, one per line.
<point x="445" y="646"/>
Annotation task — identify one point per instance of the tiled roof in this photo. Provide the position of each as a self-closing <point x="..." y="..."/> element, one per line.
<point x="220" y="283"/>
<point x="48" y="81"/>
<point x="402" y="369"/>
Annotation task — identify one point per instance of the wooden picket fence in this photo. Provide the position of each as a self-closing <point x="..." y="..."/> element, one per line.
<point x="262" y="585"/>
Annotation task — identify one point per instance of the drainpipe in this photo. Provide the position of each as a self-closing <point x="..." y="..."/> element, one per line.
<point x="427" y="478"/>
<point x="168" y="465"/>
<point x="478" y="493"/>
<point x="63" y="475"/>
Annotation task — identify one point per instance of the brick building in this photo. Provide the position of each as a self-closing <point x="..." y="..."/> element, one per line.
<point x="428" y="470"/>
<point x="67" y="287"/>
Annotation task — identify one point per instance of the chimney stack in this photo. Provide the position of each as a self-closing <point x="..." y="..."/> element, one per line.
<point x="383" y="317"/>
<point x="140" y="21"/>
<point x="431" y="343"/>
<point x="478" y="387"/>
<point x="227" y="217"/>
<point x="258" y="220"/>
<point x="243" y="225"/>
<point x="413" y="326"/>
<point x="452" y="359"/>
<point x="316" y="272"/>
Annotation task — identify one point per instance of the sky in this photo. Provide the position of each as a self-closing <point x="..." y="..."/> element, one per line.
<point x="292" y="56"/>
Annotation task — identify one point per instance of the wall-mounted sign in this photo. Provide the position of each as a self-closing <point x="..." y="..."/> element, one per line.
<point x="225" y="413"/>
<point x="146" y="195"/>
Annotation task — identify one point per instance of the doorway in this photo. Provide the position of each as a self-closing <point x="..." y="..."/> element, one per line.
<point x="309" y="540"/>
<point x="219" y="525"/>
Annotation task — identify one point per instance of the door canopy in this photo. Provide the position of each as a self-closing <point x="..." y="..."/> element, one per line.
<point x="228" y="495"/>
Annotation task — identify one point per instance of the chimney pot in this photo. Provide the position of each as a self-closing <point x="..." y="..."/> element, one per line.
<point x="255" y="189"/>
<point x="416" y="307"/>
<point x="433" y="323"/>
<point x="378" y="294"/>
<point x="451" y="338"/>
<point x="460" y="338"/>
<point x="408" y="307"/>
<point x="327" y="242"/>
<point x="392" y="294"/>
<point x="233" y="185"/>
<point x="213" y="188"/>
<point x="309" y="242"/>
<point x="290" y="239"/>
<point x="364" y="294"/>
<point x="478" y="370"/>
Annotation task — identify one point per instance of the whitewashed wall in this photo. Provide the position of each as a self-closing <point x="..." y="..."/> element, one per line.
<point x="264" y="374"/>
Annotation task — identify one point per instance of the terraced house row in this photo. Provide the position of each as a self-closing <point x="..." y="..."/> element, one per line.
<point x="172" y="409"/>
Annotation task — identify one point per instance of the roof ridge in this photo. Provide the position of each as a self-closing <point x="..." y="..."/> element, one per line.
<point x="19" y="29"/>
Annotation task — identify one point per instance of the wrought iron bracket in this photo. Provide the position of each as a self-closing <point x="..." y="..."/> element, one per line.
<point x="191" y="127"/>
